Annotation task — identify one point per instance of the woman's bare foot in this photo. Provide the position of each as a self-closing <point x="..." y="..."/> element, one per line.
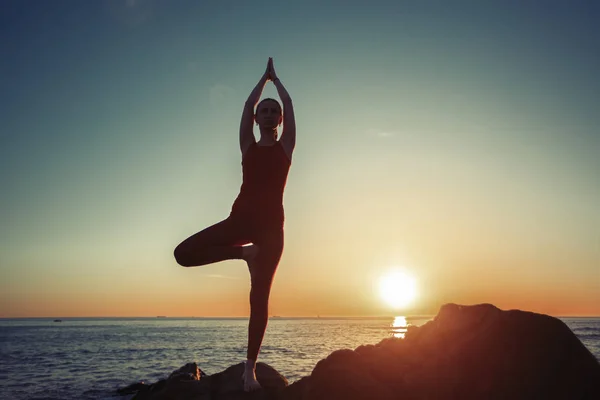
<point x="249" y="376"/>
<point x="249" y="253"/>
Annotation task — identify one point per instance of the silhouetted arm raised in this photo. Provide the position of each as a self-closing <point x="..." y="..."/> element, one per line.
<point x="288" y="136"/>
<point x="246" y="131"/>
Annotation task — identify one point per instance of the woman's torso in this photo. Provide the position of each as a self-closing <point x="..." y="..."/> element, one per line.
<point x="265" y="170"/>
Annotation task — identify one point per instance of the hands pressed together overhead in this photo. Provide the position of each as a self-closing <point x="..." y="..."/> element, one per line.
<point x="270" y="72"/>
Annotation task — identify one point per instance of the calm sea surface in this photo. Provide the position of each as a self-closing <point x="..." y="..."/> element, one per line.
<point x="90" y="358"/>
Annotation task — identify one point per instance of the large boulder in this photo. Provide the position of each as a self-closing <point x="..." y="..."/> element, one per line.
<point x="465" y="352"/>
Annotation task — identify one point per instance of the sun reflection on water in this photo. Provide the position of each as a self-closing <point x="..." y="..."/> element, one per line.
<point x="399" y="327"/>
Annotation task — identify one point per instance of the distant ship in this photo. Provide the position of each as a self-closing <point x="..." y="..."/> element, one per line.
<point x="161" y="316"/>
<point x="58" y="320"/>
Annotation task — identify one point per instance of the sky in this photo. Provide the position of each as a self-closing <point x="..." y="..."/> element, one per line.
<point x="458" y="141"/>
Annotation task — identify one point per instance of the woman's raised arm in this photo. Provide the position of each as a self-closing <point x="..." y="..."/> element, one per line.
<point x="247" y="121"/>
<point x="288" y="136"/>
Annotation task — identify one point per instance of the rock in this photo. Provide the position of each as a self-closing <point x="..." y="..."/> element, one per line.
<point x="191" y="383"/>
<point x="297" y="391"/>
<point x="466" y="352"/>
<point x="133" y="388"/>
<point x="189" y="372"/>
<point x="228" y="384"/>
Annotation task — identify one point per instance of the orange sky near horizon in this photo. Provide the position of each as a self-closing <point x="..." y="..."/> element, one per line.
<point x="339" y="298"/>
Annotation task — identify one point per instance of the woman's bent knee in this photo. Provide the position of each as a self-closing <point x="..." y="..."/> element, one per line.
<point x="182" y="257"/>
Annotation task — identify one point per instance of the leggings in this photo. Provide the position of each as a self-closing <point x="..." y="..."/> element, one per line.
<point x="224" y="241"/>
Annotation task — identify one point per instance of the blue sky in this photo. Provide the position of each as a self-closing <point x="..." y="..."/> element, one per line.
<point x="456" y="139"/>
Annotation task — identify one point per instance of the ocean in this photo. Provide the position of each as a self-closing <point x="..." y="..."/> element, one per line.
<point x="89" y="358"/>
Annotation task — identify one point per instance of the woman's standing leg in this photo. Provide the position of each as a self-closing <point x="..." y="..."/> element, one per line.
<point x="262" y="272"/>
<point x="219" y="242"/>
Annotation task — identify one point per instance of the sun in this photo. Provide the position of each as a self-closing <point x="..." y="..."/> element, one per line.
<point x="398" y="288"/>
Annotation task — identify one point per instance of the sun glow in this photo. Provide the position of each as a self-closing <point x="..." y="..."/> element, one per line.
<point x="398" y="288"/>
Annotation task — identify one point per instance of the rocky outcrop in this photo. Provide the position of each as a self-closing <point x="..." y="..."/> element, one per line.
<point x="191" y="383"/>
<point x="465" y="352"/>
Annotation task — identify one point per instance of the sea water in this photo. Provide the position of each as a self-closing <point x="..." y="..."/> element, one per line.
<point x="89" y="358"/>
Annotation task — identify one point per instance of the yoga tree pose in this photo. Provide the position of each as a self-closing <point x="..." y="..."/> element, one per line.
<point x="254" y="229"/>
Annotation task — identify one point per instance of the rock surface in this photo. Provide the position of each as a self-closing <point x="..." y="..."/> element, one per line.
<point x="465" y="352"/>
<point x="190" y="383"/>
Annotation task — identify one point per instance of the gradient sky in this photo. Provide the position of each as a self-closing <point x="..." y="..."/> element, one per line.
<point x="459" y="140"/>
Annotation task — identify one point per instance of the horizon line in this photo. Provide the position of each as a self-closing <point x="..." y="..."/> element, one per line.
<point x="230" y="317"/>
<point x="413" y="316"/>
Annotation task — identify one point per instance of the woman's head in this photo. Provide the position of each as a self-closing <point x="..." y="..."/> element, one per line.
<point x="268" y="113"/>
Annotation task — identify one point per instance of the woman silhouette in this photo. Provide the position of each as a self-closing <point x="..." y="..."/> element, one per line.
<point x="254" y="229"/>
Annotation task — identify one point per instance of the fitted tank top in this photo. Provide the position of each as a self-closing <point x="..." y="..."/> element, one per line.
<point x="265" y="170"/>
